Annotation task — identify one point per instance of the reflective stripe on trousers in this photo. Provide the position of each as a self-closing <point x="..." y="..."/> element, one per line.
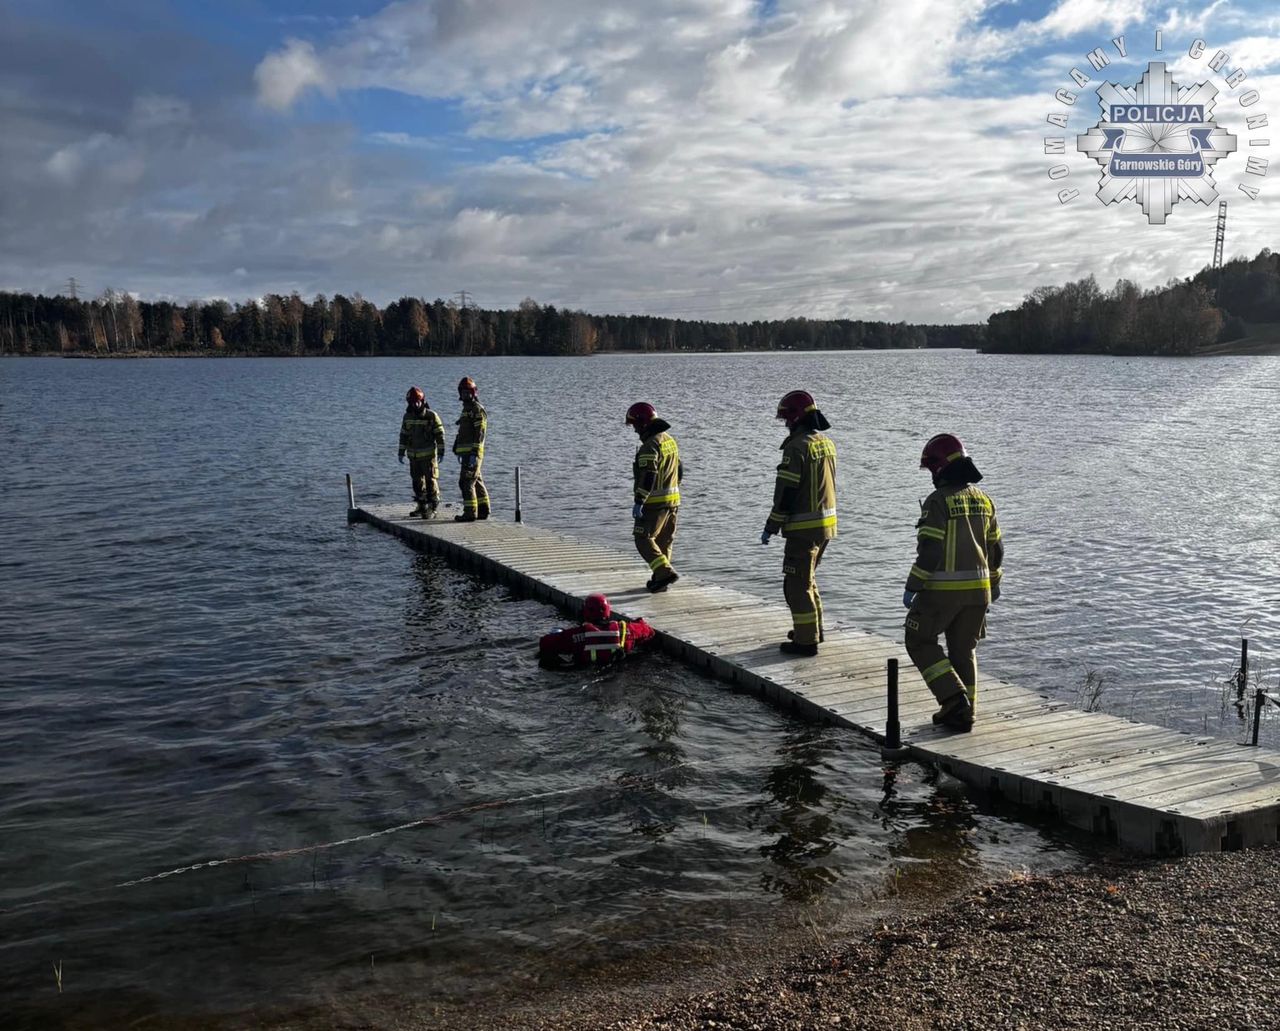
<point x="800" y="561"/>
<point x="655" y="534"/>
<point x="955" y="668"/>
<point x="474" y="493"/>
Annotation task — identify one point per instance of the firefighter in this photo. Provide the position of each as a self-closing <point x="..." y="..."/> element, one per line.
<point x="656" y="473"/>
<point x="955" y="578"/>
<point x="600" y="640"/>
<point x="468" y="445"/>
<point x="422" y="439"/>
<point x="804" y="512"/>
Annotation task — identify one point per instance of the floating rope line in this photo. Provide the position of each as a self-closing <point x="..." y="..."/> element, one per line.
<point x="624" y="782"/>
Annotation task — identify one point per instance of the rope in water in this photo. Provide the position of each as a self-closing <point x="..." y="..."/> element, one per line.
<point x="625" y="782"/>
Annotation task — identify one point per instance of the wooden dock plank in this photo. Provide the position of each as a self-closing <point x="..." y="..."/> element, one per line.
<point x="1148" y="787"/>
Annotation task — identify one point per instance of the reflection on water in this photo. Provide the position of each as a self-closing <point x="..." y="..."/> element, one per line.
<point x="805" y="817"/>
<point x="217" y="667"/>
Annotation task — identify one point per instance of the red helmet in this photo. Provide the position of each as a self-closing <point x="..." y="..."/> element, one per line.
<point x="595" y="609"/>
<point x="940" y="452"/>
<point x="641" y="414"/>
<point x="795" y="405"/>
<point x="467" y="387"/>
<point x="415" y="396"/>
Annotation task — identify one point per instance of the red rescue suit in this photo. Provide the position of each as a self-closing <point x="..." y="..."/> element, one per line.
<point x="592" y="645"/>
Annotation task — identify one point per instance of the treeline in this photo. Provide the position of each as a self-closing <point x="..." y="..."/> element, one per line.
<point x="118" y="323"/>
<point x="1182" y="317"/>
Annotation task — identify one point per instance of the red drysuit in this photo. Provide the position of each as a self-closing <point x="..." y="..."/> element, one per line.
<point x="590" y="644"/>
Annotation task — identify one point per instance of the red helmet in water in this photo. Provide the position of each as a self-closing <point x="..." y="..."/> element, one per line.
<point x="415" y="396"/>
<point x="940" y="452"/>
<point x="795" y="406"/>
<point x="467" y="388"/>
<point x="641" y="414"/>
<point x="596" y="608"/>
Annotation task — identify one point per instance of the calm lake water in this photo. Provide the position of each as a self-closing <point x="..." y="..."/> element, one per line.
<point x="200" y="660"/>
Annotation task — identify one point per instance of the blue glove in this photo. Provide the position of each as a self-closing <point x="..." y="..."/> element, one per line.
<point x="907" y="598"/>
<point x="400" y="455"/>
<point x="764" y="536"/>
<point x="637" y="511"/>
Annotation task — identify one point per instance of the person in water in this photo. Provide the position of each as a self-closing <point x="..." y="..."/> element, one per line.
<point x="598" y="641"/>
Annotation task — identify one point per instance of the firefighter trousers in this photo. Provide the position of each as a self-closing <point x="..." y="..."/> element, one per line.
<point x="475" y="497"/>
<point x="800" y="560"/>
<point x="963" y="625"/>
<point x="655" y="534"/>
<point x="426" y="482"/>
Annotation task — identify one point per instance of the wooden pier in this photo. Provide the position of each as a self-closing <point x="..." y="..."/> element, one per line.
<point x="1149" y="788"/>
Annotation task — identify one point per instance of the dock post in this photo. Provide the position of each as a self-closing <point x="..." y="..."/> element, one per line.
<point x="892" y="747"/>
<point x="1242" y="676"/>
<point x="351" y="502"/>
<point x="518" y="519"/>
<point x="1258" y="698"/>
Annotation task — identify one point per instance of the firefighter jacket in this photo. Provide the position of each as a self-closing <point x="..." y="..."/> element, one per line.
<point x="422" y="433"/>
<point x="958" y="546"/>
<point x="657" y="469"/>
<point x="804" y="493"/>
<point x="472" y="424"/>
<point x="589" y="644"/>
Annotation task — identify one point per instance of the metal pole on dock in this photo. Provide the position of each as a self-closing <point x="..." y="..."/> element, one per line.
<point x="1258" y="699"/>
<point x="1242" y="677"/>
<point x="351" y="501"/>
<point x="892" y="747"/>
<point x="518" y="519"/>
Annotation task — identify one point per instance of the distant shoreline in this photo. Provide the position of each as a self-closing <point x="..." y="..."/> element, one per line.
<point x="1235" y="348"/>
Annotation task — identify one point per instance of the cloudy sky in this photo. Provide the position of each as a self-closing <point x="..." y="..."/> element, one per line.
<point x="717" y="159"/>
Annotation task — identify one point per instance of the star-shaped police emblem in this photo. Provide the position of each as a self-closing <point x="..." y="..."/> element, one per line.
<point x="1157" y="143"/>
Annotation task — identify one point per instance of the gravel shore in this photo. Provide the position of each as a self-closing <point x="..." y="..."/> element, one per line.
<point x="1186" y="943"/>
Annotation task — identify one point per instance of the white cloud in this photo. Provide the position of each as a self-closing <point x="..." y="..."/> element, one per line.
<point x="285" y="75"/>
<point x="1071" y="17"/>
<point x="834" y="158"/>
<point x="101" y="158"/>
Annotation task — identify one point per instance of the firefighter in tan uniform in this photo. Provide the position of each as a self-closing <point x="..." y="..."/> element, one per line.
<point x="422" y="439"/>
<point x="468" y="445"/>
<point x="804" y="511"/>
<point x="956" y="577"/>
<point x="657" y="473"/>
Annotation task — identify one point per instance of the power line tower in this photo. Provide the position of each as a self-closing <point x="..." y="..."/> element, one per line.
<point x="1221" y="237"/>
<point x="465" y="301"/>
<point x="72" y="287"/>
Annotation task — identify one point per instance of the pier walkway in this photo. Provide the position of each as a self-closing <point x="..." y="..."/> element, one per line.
<point x="1149" y="788"/>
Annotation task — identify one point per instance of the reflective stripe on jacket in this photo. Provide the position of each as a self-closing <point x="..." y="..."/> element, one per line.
<point x="472" y="426"/>
<point x="959" y="548"/>
<point x="804" y="493"/>
<point x="422" y="433"/>
<point x="657" y="471"/>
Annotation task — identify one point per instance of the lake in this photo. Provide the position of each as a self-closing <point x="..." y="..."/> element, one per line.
<point x="200" y="660"/>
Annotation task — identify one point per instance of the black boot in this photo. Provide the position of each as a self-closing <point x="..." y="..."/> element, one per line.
<point x="466" y="517"/>
<point x="661" y="581"/>
<point x="955" y="714"/>
<point x="483" y="513"/>
<point x="791" y="648"/>
<point x="417" y="511"/>
<point x="822" y="636"/>
<point x="430" y="512"/>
